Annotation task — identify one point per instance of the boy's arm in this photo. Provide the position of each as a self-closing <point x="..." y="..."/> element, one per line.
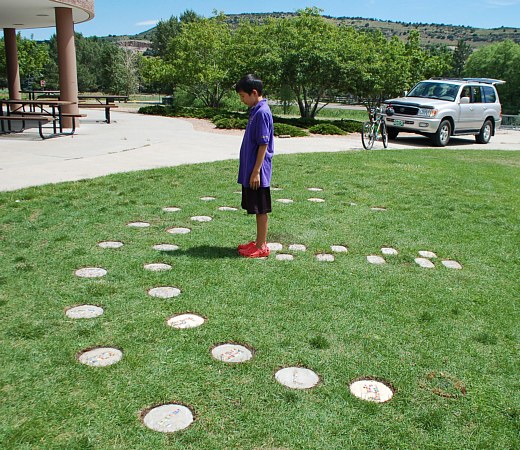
<point x="254" y="179"/>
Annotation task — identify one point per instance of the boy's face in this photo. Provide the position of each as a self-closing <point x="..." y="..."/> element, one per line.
<point x="249" y="100"/>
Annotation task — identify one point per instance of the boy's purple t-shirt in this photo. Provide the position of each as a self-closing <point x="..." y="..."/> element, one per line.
<point x="259" y="131"/>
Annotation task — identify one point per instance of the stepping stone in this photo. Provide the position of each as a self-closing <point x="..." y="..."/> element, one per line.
<point x="164" y="292"/>
<point x="184" y="321"/>
<point x="157" y="267"/>
<point x="171" y="209"/>
<point x="166" y="247"/>
<point x="276" y="189"/>
<point x="427" y="254"/>
<point x="110" y="244"/>
<point x="371" y="391"/>
<point x="297" y="378"/>
<point x="168" y="418"/>
<point x="100" y="357"/>
<point x="201" y="219"/>
<point x="284" y="257"/>
<point x="227" y="208"/>
<point x="423" y="262"/>
<point x="91" y="272"/>
<point x="339" y="248"/>
<point x="231" y="353"/>
<point x="207" y="199"/>
<point x="378" y="208"/>
<point x="274" y="246"/>
<point x="451" y="264"/>
<point x="285" y="200"/>
<point x="316" y="200"/>
<point x="138" y="224"/>
<point x="375" y="259"/>
<point x="325" y="257"/>
<point x="297" y="248"/>
<point x="352" y="204"/>
<point x="315" y="189"/>
<point x="84" y="312"/>
<point x="389" y="251"/>
<point x="178" y="230"/>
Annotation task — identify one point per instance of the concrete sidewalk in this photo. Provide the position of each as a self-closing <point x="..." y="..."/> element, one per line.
<point x="136" y="142"/>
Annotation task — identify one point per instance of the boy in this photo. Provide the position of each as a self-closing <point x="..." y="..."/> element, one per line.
<point x="256" y="153"/>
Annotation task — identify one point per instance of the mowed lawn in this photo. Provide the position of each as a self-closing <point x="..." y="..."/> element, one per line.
<point x="446" y="340"/>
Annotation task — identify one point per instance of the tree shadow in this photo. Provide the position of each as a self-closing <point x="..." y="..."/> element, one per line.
<point x="209" y="252"/>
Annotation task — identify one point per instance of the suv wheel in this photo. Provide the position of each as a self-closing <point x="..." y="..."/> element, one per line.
<point x="485" y="132"/>
<point x="392" y="132"/>
<point x="442" y="136"/>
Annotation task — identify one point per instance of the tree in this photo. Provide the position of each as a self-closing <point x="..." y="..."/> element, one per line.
<point x="157" y="75"/>
<point x="460" y="55"/>
<point x="166" y="30"/>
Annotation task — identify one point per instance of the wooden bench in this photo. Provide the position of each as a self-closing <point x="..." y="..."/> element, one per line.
<point x="106" y="106"/>
<point x="23" y="119"/>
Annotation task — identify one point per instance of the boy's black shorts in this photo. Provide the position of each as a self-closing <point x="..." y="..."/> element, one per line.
<point x="256" y="201"/>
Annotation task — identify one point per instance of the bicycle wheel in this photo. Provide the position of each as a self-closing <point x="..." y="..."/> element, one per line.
<point x="384" y="134"/>
<point x="368" y="135"/>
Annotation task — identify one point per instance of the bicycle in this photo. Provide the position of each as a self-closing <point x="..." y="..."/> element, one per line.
<point x="375" y="128"/>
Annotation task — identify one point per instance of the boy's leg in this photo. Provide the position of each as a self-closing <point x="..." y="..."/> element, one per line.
<point x="261" y="230"/>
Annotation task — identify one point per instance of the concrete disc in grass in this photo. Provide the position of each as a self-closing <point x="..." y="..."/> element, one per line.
<point x="316" y="200"/>
<point x="91" y="272"/>
<point x="207" y="199"/>
<point x="423" y="262"/>
<point x="201" y="219"/>
<point x="285" y="200"/>
<point x="451" y="264"/>
<point x="178" y="230"/>
<point x="389" y="251"/>
<point x="339" y="248"/>
<point x="325" y="257"/>
<point x="166" y="247"/>
<point x="375" y="259"/>
<point x="315" y="189"/>
<point x="297" y="378"/>
<point x="84" y="312"/>
<point x="284" y="257"/>
<point x="171" y="209"/>
<point x="427" y="254"/>
<point x="138" y="224"/>
<point x="378" y="208"/>
<point x="157" y="267"/>
<point x="297" y="248"/>
<point x="100" y="357"/>
<point x="276" y="189"/>
<point x="110" y="244"/>
<point x="164" y="292"/>
<point x="168" y="418"/>
<point x="231" y="353"/>
<point x="183" y="321"/>
<point x="371" y="391"/>
<point x="274" y="246"/>
<point x="227" y="208"/>
<point x="353" y="204"/>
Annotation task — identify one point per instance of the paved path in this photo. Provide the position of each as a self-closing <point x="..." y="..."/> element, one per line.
<point x="136" y="142"/>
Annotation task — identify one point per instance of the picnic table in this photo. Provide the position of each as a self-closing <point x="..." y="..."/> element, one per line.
<point x="105" y="101"/>
<point x="48" y="111"/>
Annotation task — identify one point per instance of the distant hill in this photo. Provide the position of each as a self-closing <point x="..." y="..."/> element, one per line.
<point x="431" y="34"/>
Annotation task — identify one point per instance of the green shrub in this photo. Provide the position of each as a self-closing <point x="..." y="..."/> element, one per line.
<point x="230" y="123"/>
<point x="326" y="128"/>
<point x="349" y="126"/>
<point x="281" y="129"/>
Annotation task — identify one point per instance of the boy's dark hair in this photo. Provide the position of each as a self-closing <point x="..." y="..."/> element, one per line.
<point x="249" y="83"/>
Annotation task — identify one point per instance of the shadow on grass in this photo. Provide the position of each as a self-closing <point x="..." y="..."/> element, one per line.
<point x="209" y="252"/>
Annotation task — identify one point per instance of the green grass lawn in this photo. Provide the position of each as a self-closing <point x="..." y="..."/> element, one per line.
<point x="425" y="331"/>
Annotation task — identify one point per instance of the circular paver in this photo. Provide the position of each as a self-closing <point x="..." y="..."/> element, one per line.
<point x="171" y="209"/>
<point x="297" y="378"/>
<point x="316" y="200"/>
<point x="178" y="230"/>
<point x="451" y="264"/>
<point x="285" y="200"/>
<point x="375" y="259"/>
<point x="423" y="262"/>
<point x="389" y="251"/>
<point x="371" y="391"/>
<point x="138" y="224"/>
<point x="164" y="292"/>
<point x="201" y="218"/>
<point x="352" y="204"/>
<point x="168" y="418"/>
<point x="339" y="248"/>
<point x="84" y="312"/>
<point x="378" y="208"/>
<point x="166" y="247"/>
<point x="315" y="189"/>
<point x="227" y="208"/>
<point x="207" y="199"/>
<point x="297" y="248"/>
<point x="91" y="272"/>
<point x="274" y="246"/>
<point x="100" y="357"/>
<point x="325" y="257"/>
<point x="110" y="244"/>
<point x="231" y="353"/>
<point x="427" y="254"/>
<point x="157" y="267"/>
<point x="183" y="321"/>
<point x="276" y="189"/>
<point x="284" y="257"/>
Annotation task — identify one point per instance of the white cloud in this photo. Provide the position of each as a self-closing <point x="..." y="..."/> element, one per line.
<point x="147" y="23"/>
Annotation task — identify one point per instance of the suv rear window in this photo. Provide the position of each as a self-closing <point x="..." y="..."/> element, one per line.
<point x="489" y="94"/>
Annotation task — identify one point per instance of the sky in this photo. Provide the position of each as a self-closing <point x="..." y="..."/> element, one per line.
<point x="128" y="17"/>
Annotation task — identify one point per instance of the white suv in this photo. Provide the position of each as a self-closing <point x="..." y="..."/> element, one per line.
<point x="440" y="108"/>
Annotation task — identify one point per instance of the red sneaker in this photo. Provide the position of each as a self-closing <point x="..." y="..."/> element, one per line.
<point x="256" y="252"/>
<point x="244" y="246"/>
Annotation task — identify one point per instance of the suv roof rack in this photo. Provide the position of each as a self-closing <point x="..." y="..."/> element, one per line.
<point x="476" y="80"/>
